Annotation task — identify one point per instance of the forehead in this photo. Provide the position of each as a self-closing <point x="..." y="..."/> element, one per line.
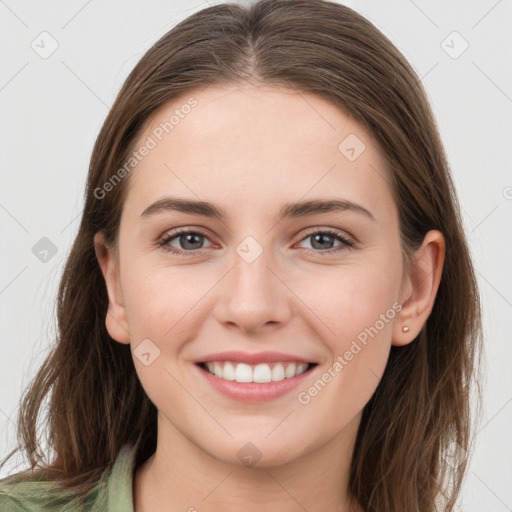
<point x="255" y="143"/>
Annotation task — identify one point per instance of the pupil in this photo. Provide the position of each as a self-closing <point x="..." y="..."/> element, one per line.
<point x="321" y="237"/>
<point x="186" y="237"/>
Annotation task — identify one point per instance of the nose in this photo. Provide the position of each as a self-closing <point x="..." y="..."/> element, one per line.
<point x="253" y="297"/>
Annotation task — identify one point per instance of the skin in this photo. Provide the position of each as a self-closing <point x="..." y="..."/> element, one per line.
<point x="250" y="150"/>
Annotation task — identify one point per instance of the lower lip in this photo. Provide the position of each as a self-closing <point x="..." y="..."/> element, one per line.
<point x="252" y="391"/>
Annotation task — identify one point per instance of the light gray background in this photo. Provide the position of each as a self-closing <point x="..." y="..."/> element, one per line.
<point x="52" y="110"/>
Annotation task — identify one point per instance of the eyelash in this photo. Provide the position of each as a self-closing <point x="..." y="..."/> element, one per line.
<point x="346" y="243"/>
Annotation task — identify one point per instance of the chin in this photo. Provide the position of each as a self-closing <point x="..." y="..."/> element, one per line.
<point x="257" y="451"/>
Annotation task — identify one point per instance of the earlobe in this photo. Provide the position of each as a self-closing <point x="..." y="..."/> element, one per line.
<point x="115" y="320"/>
<point x="419" y="288"/>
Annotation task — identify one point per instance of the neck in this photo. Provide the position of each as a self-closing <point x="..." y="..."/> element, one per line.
<point x="180" y="476"/>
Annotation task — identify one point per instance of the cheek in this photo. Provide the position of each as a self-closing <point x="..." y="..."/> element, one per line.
<point x="160" y="302"/>
<point x="163" y="305"/>
<point x="359" y="307"/>
<point x="351" y="299"/>
<point x="360" y="319"/>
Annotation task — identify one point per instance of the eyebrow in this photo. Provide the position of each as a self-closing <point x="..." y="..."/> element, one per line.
<point x="298" y="209"/>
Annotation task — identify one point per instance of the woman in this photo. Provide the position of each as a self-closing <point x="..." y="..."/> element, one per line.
<point x="315" y="349"/>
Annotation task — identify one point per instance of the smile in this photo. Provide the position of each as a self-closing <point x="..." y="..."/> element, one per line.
<point x="259" y="373"/>
<point x="255" y="376"/>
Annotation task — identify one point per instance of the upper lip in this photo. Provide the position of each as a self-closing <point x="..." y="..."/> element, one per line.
<point x="253" y="358"/>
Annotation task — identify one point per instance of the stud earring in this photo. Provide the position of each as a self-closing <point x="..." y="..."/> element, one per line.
<point x="405" y="328"/>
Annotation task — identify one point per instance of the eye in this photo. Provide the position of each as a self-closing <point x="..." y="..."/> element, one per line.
<point x="322" y="239"/>
<point x="190" y="240"/>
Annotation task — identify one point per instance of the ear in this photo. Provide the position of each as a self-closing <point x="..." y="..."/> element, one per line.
<point x="115" y="320"/>
<point x="419" y="287"/>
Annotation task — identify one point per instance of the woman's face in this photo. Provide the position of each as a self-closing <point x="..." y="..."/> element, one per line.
<point x="270" y="281"/>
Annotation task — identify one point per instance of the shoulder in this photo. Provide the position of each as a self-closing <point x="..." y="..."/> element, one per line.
<point x="28" y="495"/>
<point x="22" y="493"/>
<point x="9" y="503"/>
<point x="18" y="495"/>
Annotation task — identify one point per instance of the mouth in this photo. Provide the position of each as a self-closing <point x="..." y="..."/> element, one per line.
<point x="261" y="373"/>
<point x="255" y="376"/>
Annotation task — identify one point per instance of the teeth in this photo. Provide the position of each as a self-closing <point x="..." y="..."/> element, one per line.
<point x="262" y="373"/>
<point x="243" y="373"/>
<point x="259" y="373"/>
<point x="217" y="368"/>
<point x="228" y="372"/>
<point x="278" y="372"/>
<point x="290" y="370"/>
<point x="301" y="368"/>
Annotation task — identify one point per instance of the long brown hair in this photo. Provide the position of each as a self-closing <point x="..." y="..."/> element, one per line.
<point x="96" y="403"/>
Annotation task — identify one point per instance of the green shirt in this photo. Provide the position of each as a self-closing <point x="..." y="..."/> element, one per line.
<point x="112" y="492"/>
